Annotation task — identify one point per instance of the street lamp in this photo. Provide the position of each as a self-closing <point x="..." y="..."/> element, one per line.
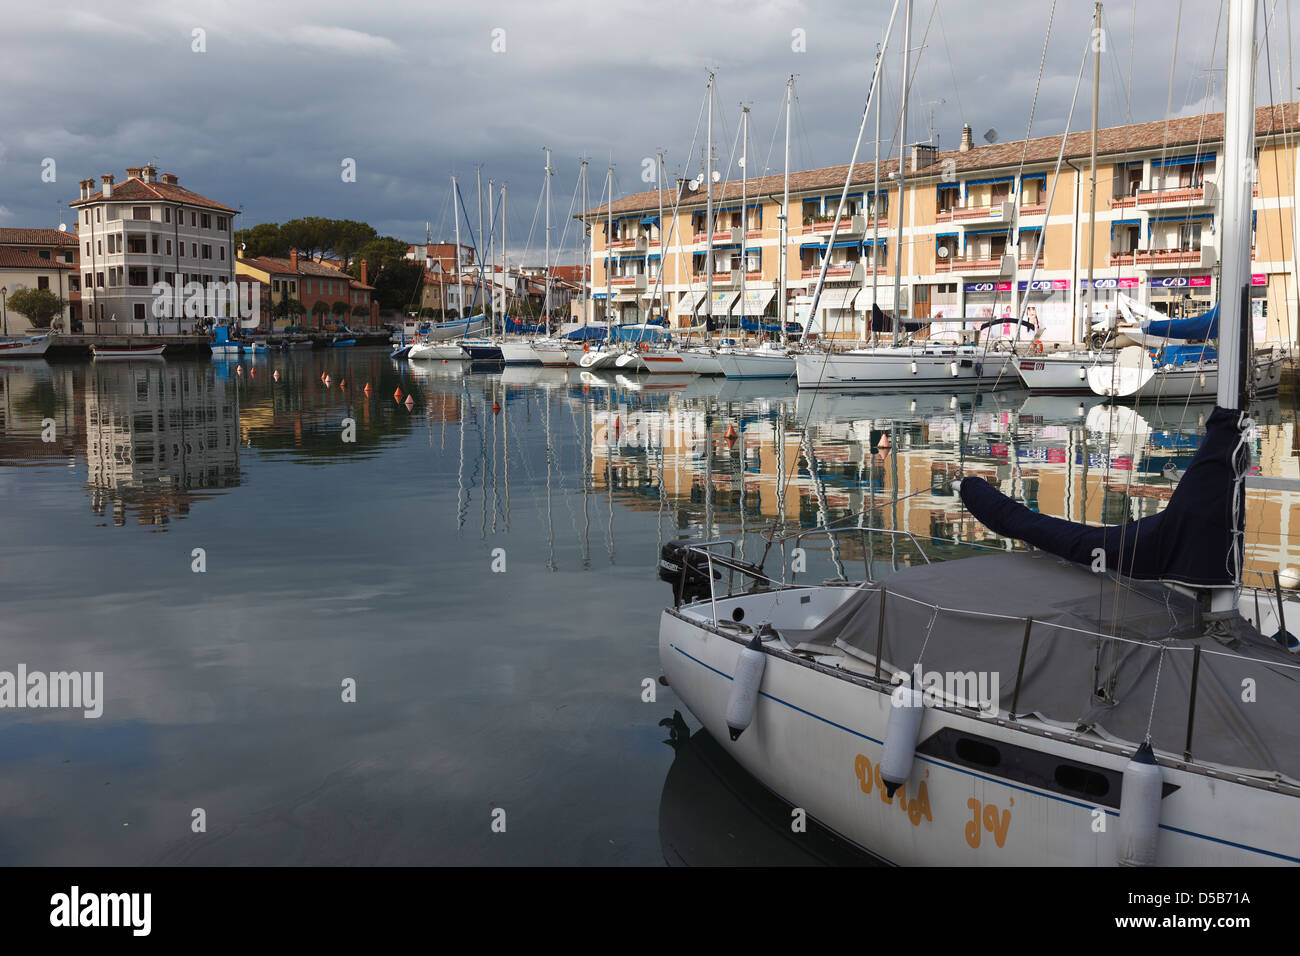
<point x="4" y="307"/>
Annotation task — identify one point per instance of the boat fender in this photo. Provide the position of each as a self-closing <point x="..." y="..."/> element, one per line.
<point x="1083" y="373"/>
<point x="1139" y="809"/>
<point x="907" y="707"/>
<point x="952" y="367"/>
<point x="744" y="688"/>
<point x="913" y="368"/>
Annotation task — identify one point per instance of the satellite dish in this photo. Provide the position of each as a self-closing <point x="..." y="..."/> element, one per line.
<point x="741" y="162"/>
<point x="942" y="252"/>
<point x="990" y="136"/>
<point x="717" y="176"/>
<point x="63" y="227"/>
<point x="697" y="182"/>
<point x="1131" y="370"/>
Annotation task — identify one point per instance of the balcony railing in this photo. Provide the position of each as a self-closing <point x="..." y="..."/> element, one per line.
<point x="1205" y="193"/>
<point x="628" y="282"/>
<point x="1204" y="256"/>
<point x="853" y="225"/>
<point x="1033" y="209"/>
<point x="1000" y="264"/>
<point x="998" y="210"/>
<point x="1123" y="258"/>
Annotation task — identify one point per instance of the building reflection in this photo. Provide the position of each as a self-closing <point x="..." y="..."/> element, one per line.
<point x="158" y="436"/>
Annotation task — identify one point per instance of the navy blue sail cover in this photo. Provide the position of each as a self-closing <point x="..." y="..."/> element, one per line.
<point x="1189" y="542"/>
<point x="1198" y="328"/>
<point x="880" y="322"/>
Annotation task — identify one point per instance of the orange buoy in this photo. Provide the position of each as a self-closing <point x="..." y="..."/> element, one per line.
<point x="252" y="372"/>
<point x="496" y="408"/>
<point x="367" y="388"/>
<point x="239" y="370"/>
<point x="342" y="382"/>
<point x="397" y="395"/>
<point x="731" y="435"/>
<point x="276" y="375"/>
<point x="884" y="442"/>
<point x="618" y="424"/>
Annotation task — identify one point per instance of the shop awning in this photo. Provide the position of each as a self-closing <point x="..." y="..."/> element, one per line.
<point x="838" y="298"/>
<point x="1189" y="160"/>
<point x="722" y="302"/>
<point x="884" y="297"/>
<point x="690" y="301"/>
<point x="755" y="301"/>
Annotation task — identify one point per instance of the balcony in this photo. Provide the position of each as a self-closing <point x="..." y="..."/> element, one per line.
<point x="1186" y="195"/>
<point x="634" y="282"/>
<point x="848" y="226"/>
<point x="1033" y="209"/>
<point x="998" y="212"/>
<point x="639" y="243"/>
<point x="853" y="271"/>
<point x="1001" y="265"/>
<point x="1124" y="258"/>
<point x="1204" y="258"/>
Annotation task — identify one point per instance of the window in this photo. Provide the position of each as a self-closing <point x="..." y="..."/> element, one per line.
<point x="42" y="282"/>
<point x="293" y="286"/>
<point x="275" y="285"/>
<point x="90" y="280"/>
<point x="99" y="246"/>
<point x="139" y="311"/>
<point x="221" y="224"/>
<point x="168" y="245"/>
<point x="223" y="253"/>
<point x="155" y="245"/>
<point x="67" y="257"/>
<point x="141" y="212"/>
<point x="99" y="279"/>
<point x="207" y="252"/>
<point x="156" y="272"/>
<point x="194" y="219"/>
<point x="43" y="253"/>
<point x="85" y="213"/>
<point x="87" y="247"/>
<point x="74" y="284"/>
<point x="167" y="213"/>
<point x="97" y="219"/>
<point x="205" y="221"/>
<point x="136" y="244"/>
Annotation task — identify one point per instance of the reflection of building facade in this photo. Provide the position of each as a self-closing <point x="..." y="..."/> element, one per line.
<point x="156" y="435"/>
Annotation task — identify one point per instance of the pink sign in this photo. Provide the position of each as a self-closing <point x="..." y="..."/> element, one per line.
<point x="1258" y="278"/>
<point x="1130" y="283"/>
<point x="1198" y="281"/>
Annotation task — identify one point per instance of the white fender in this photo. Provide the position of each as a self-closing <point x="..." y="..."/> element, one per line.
<point x="744" y="688"/>
<point x="1139" y="809"/>
<point x="901" y="734"/>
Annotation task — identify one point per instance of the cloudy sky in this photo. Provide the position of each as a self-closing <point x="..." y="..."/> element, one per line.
<point x="259" y="105"/>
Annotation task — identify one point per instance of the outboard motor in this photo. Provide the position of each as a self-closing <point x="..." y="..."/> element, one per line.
<point x="693" y="583"/>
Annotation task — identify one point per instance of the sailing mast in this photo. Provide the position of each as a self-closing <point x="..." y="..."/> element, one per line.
<point x="744" y="209"/>
<point x="478" y="185"/>
<point x="1092" y="171"/>
<point x="875" y="210"/>
<point x="659" y="192"/>
<point x="586" y="252"/>
<point x="505" y="269"/>
<point x="785" y="217"/>
<point x="902" y="175"/>
<point x="708" y="220"/>
<point x="609" y="250"/>
<point x="546" y="287"/>
<point x="460" y="297"/>
<point x="489" y="242"/>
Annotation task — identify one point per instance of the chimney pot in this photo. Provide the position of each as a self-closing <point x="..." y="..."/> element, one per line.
<point x="293" y="258"/>
<point x="363" y="273"/>
<point x="967" y="140"/>
<point x="107" y="180"/>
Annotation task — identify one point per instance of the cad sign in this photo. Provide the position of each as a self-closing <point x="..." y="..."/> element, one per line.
<point x="988" y="286"/>
<point x="1180" y="282"/>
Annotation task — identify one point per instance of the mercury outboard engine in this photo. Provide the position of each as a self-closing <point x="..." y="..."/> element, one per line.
<point x="688" y="571"/>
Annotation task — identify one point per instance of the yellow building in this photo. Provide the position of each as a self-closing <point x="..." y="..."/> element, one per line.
<point x="982" y="226"/>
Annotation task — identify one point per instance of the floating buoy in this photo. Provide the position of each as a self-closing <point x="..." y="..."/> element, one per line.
<point x="731" y="433"/>
<point x="342" y="382"/>
<point x="327" y="381"/>
<point x="409" y="403"/>
<point x="907" y="707"/>
<point x="1139" y="809"/>
<point x="496" y="408"/>
<point x="397" y="395"/>
<point x="618" y="424"/>
<point x="252" y="372"/>
<point x="367" y="388"/>
<point x="276" y="375"/>
<point x="744" y="688"/>
<point x="239" y="370"/>
<point x="884" y="441"/>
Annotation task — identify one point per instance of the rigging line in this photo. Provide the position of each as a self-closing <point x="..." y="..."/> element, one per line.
<point x="1132" y="34"/>
<point x="943" y="31"/>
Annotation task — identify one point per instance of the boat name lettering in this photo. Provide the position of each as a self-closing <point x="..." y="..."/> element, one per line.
<point x="869" y="779"/>
<point x="986" y="816"/>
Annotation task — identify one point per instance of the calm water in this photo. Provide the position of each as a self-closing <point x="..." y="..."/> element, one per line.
<point x="372" y="561"/>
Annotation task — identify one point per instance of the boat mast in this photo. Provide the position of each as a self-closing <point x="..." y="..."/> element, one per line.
<point x="902" y="174"/>
<point x="1092" y="170"/>
<point x="708" y="220"/>
<point x="478" y="184"/>
<point x="609" y="251"/>
<point x="744" y="210"/>
<point x="659" y="191"/>
<point x="586" y="252"/>
<point x="489" y="242"/>
<point x="875" y="208"/>
<point x="785" y="218"/>
<point x="546" y="288"/>
<point x="1234" y="290"/>
<point x="505" y="268"/>
<point x="455" y="193"/>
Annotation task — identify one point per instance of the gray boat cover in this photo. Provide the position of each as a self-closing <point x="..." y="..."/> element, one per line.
<point x="1248" y="689"/>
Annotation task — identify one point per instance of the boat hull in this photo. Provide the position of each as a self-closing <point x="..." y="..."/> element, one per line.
<point x="755" y="363"/>
<point x="32" y="346"/>
<point x="816" y="741"/>
<point x="436" y="351"/>
<point x="519" y="353"/>
<point x="151" y="352"/>
<point x="920" y="367"/>
<point x="1062" y="374"/>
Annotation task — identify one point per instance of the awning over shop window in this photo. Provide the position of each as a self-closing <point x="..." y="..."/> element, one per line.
<point x="838" y="298"/>
<point x="755" y="302"/>
<point x="884" y="297"/>
<point x="722" y="302"/>
<point x="690" y="301"/>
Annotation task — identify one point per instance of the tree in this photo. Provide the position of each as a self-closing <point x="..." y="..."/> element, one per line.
<point x="319" y="310"/>
<point x="262" y="240"/>
<point x="340" y="310"/>
<point x="396" y="283"/>
<point x="40" y="306"/>
<point x="362" y="310"/>
<point x="428" y="313"/>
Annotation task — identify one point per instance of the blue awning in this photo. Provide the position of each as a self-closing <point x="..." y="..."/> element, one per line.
<point x="1189" y="160"/>
<point x="1185" y="217"/>
<point x="987" y="232"/>
<point x="1197" y="328"/>
<point x="946" y="235"/>
<point x="1126" y="222"/>
<point x="949" y="185"/>
<point x="1031" y="228"/>
<point x="586" y="333"/>
<point x="988" y="182"/>
<point x="881" y="241"/>
<point x="650" y="221"/>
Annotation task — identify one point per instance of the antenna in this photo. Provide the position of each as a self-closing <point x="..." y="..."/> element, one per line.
<point x="932" y="104"/>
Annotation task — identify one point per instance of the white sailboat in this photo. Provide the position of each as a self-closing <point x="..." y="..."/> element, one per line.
<point x="1009" y="709"/>
<point x="25" y="346"/>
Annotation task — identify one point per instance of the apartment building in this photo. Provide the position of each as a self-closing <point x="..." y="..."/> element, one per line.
<point x="984" y="229"/>
<point x="144" y="230"/>
<point x="41" y="259"/>
<point x="328" y="295"/>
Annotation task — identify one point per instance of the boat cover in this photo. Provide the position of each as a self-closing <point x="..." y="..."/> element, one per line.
<point x="880" y="322"/>
<point x="514" y="325"/>
<point x="1190" y="542"/>
<point x="980" y="628"/>
<point x="1198" y="328"/>
<point x="588" y="333"/>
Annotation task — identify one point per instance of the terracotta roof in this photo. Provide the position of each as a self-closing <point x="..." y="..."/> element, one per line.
<point x="37" y="237"/>
<point x="1204" y="131"/>
<point x="138" y="189"/>
<point x="284" y="267"/>
<point x="26" y="259"/>
<point x="358" y="284"/>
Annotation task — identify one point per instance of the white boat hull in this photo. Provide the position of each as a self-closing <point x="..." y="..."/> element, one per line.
<point x="1062" y="373"/>
<point x="31" y="346"/>
<point x="816" y="741"/>
<point x="680" y="361"/>
<point x="938" y="366"/>
<point x="596" y="361"/>
<point x="436" y="351"/>
<point x="101" y="354"/>
<point x="755" y="363"/>
<point x="519" y="352"/>
<point x="551" y="353"/>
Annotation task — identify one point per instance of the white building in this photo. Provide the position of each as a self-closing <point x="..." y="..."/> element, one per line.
<point x="145" y="230"/>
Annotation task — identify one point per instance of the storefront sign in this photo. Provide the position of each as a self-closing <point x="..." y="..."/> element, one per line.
<point x="1179" y="282"/>
<point x="1045" y="285"/>
<point x="1130" y="283"/>
<point x="988" y="286"/>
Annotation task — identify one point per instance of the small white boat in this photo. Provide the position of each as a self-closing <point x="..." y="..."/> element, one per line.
<point x="100" y="353"/>
<point x="436" y="351"/>
<point x="27" y="346"/>
<point x="597" y="359"/>
<point x="767" y="360"/>
<point x="552" y="352"/>
<point x="519" y="352"/>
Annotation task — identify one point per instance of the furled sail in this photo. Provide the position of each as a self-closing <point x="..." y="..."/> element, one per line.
<point x="1198" y="328"/>
<point x="1193" y="541"/>
<point x="880" y="322"/>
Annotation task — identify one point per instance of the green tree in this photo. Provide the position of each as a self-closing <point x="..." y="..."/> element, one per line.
<point x="361" y="310"/>
<point x="428" y="313"/>
<point x="40" y="306"/>
<point x="319" y="310"/>
<point x="397" y="284"/>
<point x="262" y="240"/>
<point x="340" y="310"/>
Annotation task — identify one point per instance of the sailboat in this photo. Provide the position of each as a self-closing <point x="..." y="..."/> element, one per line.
<point x="1076" y="705"/>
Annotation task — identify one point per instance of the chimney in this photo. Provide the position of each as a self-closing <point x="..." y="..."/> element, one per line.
<point x="363" y="273"/>
<point x="967" y="141"/>
<point x="107" y="180"/>
<point x="923" y="155"/>
<point x="86" y="186"/>
<point x="169" y="179"/>
<point x="293" y="258"/>
<point x="134" y="172"/>
<point x="150" y="174"/>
